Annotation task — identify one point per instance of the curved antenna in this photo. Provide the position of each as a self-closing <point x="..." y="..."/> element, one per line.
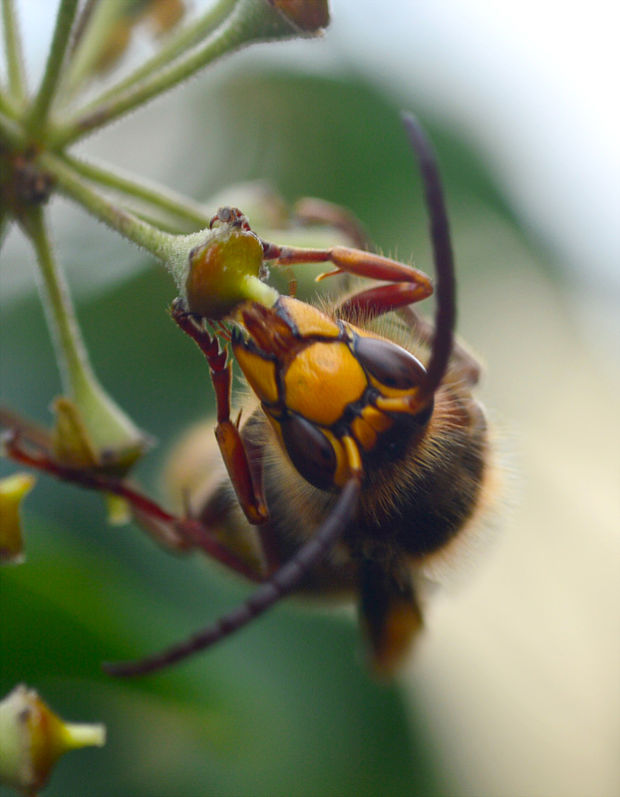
<point x="280" y="584"/>
<point x="445" y="314"/>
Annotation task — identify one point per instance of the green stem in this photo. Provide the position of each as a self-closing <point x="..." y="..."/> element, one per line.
<point x="91" y="39"/>
<point x="173" y="48"/>
<point x="251" y="21"/>
<point x="7" y="106"/>
<point x="172" y="250"/>
<point x="109" y="428"/>
<point x="51" y="76"/>
<point x="14" y="58"/>
<point x="71" y="354"/>
<point x="10" y="133"/>
<point x="162" y="221"/>
<point x="4" y="225"/>
<point x="129" y="185"/>
<point x="158" y="243"/>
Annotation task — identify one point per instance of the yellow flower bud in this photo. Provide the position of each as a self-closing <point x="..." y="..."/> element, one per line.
<point x="13" y="489"/>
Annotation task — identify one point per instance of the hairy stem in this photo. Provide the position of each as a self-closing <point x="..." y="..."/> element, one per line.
<point x="131" y="186"/>
<point x="92" y="30"/>
<point x="174" y="47"/>
<point x="4" y="225"/>
<point x="56" y="57"/>
<point x="158" y="243"/>
<point x="71" y="353"/>
<point x="10" y="132"/>
<point x="172" y="250"/>
<point x="109" y="428"/>
<point x="251" y="21"/>
<point x="13" y="48"/>
<point x="7" y="106"/>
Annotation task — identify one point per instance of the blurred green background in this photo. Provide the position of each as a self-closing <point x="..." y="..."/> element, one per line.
<point x="514" y="690"/>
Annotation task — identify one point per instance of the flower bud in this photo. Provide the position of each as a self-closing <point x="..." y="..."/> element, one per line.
<point x="164" y="15"/>
<point x="13" y="489"/>
<point x="32" y="739"/>
<point x="73" y="446"/>
<point x="88" y="435"/>
<point x="310" y="16"/>
<point x="225" y="271"/>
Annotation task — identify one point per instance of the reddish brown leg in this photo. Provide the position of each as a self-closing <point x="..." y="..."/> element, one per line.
<point x="374" y="302"/>
<point x="353" y="261"/>
<point x="226" y="432"/>
<point x="180" y="534"/>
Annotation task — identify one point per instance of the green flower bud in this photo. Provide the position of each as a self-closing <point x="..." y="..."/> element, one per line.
<point x="32" y="739"/>
<point x="225" y="271"/>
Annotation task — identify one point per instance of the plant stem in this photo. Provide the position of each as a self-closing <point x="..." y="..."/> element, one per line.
<point x="10" y="132"/>
<point x="109" y="428"/>
<point x="70" y="351"/>
<point x="14" y="58"/>
<point x="173" y="48"/>
<point x="158" y="243"/>
<point x="251" y="21"/>
<point x="4" y="225"/>
<point x="172" y="250"/>
<point x="131" y="186"/>
<point x="7" y="106"/>
<point x="92" y="34"/>
<point x="51" y="76"/>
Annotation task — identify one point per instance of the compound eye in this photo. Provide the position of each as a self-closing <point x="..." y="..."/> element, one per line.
<point x="310" y="451"/>
<point x="390" y="365"/>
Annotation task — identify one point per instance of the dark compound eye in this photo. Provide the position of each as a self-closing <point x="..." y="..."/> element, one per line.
<point x="389" y="364"/>
<point x="310" y="451"/>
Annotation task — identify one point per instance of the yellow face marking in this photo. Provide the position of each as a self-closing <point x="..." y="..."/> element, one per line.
<point x="353" y="455"/>
<point x="364" y="433"/>
<point x="402" y="404"/>
<point x="260" y="373"/>
<point x="308" y="319"/>
<point x="341" y="475"/>
<point x="378" y="420"/>
<point x="322" y="380"/>
<point x="390" y="392"/>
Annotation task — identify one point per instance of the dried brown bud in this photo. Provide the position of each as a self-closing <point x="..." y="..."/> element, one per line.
<point x="309" y="16"/>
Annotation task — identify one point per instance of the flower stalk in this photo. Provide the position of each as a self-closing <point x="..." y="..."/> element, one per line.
<point x="251" y="21"/>
<point x="10" y="131"/>
<point x="13" y="48"/>
<point x="110" y="432"/>
<point x="130" y="186"/>
<point x="175" y="46"/>
<point x="51" y="76"/>
<point x="176" y="252"/>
